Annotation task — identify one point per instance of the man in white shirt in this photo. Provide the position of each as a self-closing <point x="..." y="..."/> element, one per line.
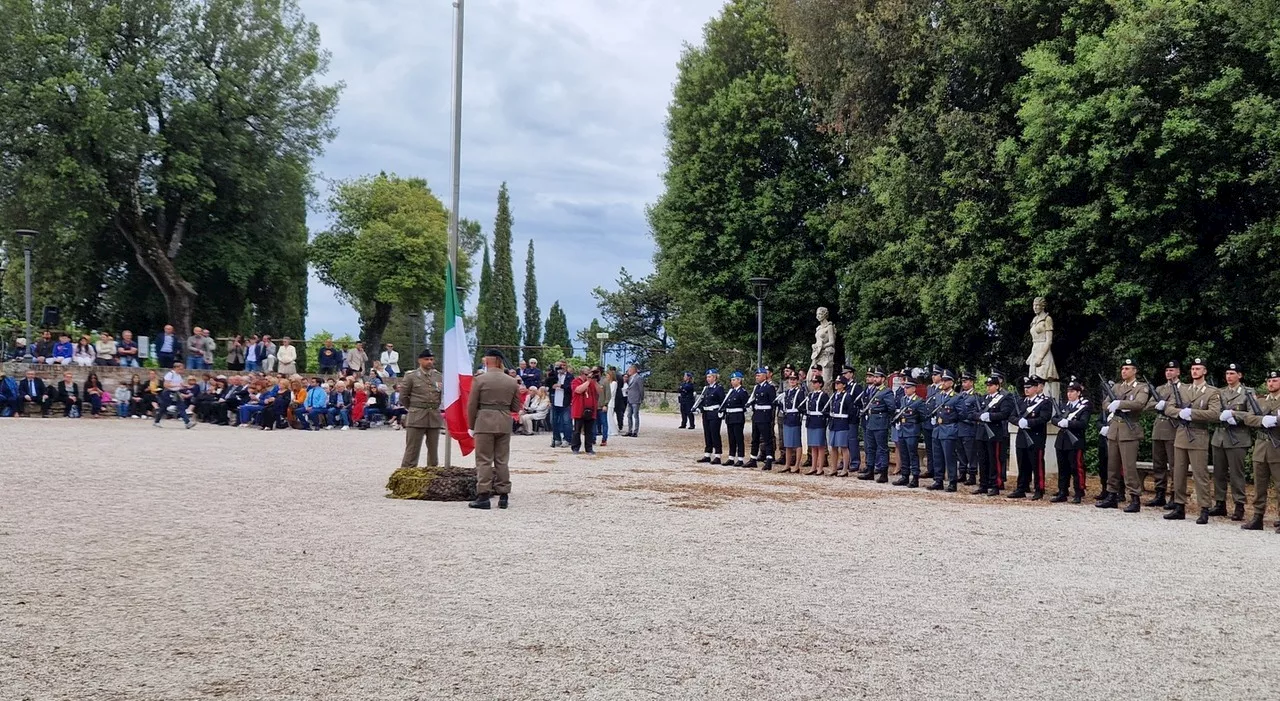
<point x="169" y="396"/>
<point x="391" y="360"/>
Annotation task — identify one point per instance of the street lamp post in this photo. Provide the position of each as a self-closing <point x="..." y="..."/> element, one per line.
<point x="602" y="337"/>
<point x="28" y="238"/>
<point x="760" y="290"/>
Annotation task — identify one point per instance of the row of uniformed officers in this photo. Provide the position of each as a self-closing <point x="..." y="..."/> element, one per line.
<point x="966" y="432"/>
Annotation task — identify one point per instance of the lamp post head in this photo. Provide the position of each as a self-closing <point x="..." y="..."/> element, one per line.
<point x="28" y="237"/>
<point x="760" y="287"/>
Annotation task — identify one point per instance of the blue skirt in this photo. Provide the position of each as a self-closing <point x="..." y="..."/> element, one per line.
<point x="817" y="437"/>
<point x="790" y="436"/>
<point x="840" y="439"/>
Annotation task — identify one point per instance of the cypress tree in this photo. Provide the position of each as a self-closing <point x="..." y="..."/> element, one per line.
<point x="558" y="329"/>
<point x="483" y="326"/>
<point x="504" y="323"/>
<point x="532" y="315"/>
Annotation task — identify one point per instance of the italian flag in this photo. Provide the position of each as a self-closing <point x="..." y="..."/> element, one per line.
<point x="456" y="367"/>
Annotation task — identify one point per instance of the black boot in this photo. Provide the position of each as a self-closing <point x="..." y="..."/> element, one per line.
<point x="902" y="480"/>
<point x="951" y="486"/>
<point x="868" y="475"/>
<point x="979" y="491"/>
<point x="750" y="463"/>
<point x="1177" y="513"/>
<point x="1204" y="517"/>
<point x="1077" y="499"/>
<point x="1103" y="495"/>
<point x="1158" y="500"/>
<point x="502" y="501"/>
<point x="1254" y="524"/>
<point x="993" y="492"/>
<point x="704" y="458"/>
<point x="971" y="481"/>
<point x="914" y="483"/>
<point x="481" y="502"/>
<point x="1219" y="509"/>
<point x="1135" y="505"/>
<point x="934" y="485"/>
<point x="1037" y="495"/>
<point x="1017" y="494"/>
<point x="1111" y="502"/>
<point x="715" y="460"/>
<point x="883" y="478"/>
<point x="768" y="465"/>
<point x="1058" y="498"/>
<point x="1238" y="513"/>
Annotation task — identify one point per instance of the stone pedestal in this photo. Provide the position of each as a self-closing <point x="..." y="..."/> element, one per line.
<point x="1050" y="454"/>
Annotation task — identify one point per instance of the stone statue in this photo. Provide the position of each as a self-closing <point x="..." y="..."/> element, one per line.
<point x="1040" y="361"/>
<point x="824" y="348"/>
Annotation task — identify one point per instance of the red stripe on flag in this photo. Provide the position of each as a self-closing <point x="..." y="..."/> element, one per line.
<point x="455" y="417"/>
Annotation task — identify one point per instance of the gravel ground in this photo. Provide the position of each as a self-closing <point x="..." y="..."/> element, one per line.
<point x="166" y="564"/>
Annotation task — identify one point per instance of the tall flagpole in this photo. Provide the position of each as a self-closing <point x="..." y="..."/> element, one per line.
<point x="455" y="156"/>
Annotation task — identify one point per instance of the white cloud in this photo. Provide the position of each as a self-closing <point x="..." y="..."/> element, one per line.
<point x="563" y="99"/>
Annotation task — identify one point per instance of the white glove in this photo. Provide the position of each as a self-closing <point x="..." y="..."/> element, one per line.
<point x="1022" y="423"/>
<point x="1113" y="406"/>
<point x="1231" y="420"/>
<point x="1185" y="414"/>
<point x="1268" y="422"/>
<point x="1226" y="415"/>
<point x="1104" y="430"/>
<point x="1160" y="405"/>
<point x="1063" y="423"/>
<point x="986" y="416"/>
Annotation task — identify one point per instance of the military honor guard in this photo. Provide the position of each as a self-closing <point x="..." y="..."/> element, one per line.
<point x="1126" y="400"/>
<point x="734" y="411"/>
<point x="911" y="415"/>
<point x="842" y="407"/>
<point x="967" y="442"/>
<point x="1194" y="406"/>
<point x="1072" y="421"/>
<point x="1034" y="416"/>
<point x="495" y="396"/>
<point x="946" y="425"/>
<point x="712" y="397"/>
<point x="763" y="401"/>
<point x="1262" y="415"/>
<point x="926" y="430"/>
<point x="859" y="392"/>
<point x="1162" y="433"/>
<point x="1229" y="445"/>
<point x="420" y="393"/>
<point x="997" y="407"/>
<point x="817" y="404"/>
<point x="876" y="417"/>
<point x="793" y="404"/>
<point x="688" y="395"/>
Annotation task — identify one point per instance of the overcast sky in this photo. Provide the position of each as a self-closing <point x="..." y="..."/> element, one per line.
<point x="563" y="99"/>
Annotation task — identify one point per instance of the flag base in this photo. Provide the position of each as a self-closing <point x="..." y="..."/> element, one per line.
<point x="432" y="484"/>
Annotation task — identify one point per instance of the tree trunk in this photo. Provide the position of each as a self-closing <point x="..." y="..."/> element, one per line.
<point x="157" y="259"/>
<point x="373" y="326"/>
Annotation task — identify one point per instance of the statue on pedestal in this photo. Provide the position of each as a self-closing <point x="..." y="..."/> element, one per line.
<point x="1040" y="361"/>
<point x="824" y="348"/>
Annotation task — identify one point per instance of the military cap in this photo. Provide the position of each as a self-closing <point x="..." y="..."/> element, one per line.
<point x="1198" y="361"/>
<point x="1274" y="374"/>
<point x="1173" y="365"/>
<point x="1029" y="381"/>
<point x="495" y="353"/>
<point x="816" y="379"/>
<point x="789" y="366"/>
<point x="847" y="368"/>
<point x="735" y="375"/>
<point x="967" y="376"/>
<point x="713" y="371"/>
<point x="995" y="380"/>
<point x="426" y="353"/>
<point x="816" y="366"/>
<point x="935" y="369"/>
<point x="1235" y="367"/>
<point x="841" y="381"/>
<point x="1131" y="363"/>
<point x="762" y="371"/>
<point x="947" y="375"/>
<point x="1035" y="379"/>
<point x="688" y="374"/>
<point x="1074" y="383"/>
<point x="876" y="371"/>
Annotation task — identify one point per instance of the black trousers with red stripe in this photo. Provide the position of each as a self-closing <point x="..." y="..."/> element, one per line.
<point x="1031" y="463"/>
<point x="1071" y="469"/>
<point x="993" y="463"/>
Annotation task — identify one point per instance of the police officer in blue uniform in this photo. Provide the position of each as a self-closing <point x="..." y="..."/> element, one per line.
<point x="880" y="409"/>
<point x="687" y="399"/>
<point x="967" y="445"/>
<point x="734" y="411"/>
<point x="792" y="404"/>
<point x="841" y="413"/>
<point x="912" y="413"/>
<point x="712" y="398"/>
<point x="946" y="432"/>
<point x="1036" y="412"/>
<point x="858" y="391"/>
<point x="926" y="429"/>
<point x="763" y="398"/>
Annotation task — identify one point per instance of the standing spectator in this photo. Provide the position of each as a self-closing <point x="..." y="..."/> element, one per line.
<point x="210" y="347"/>
<point x="67" y="392"/>
<point x="63" y="350"/>
<point x="168" y="347"/>
<point x="391" y="360"/>
<point x="195" y="350"/>
<point x="171" y="395"/>
<point x="330" y="359"/>
<point x="561" y="404"/>
<point x="106" y="349"/>
<point x="378" y="372"/>
<point x="585" y="404"/>
<point x="602" y="410"/>
<point x="84" y="353"/>
<point x="31" y="390"/>
<point x="10" y="395"/>
<point x="127" y="350"/>
<point x="635" y="395"/>
<point x="44" y="349"/>
<point x="267" y="354"/>
<point x="287" y="357"/>
<point x="252" y="359"/>
<point x="357" y="359"/>
<point x="620" y="400"/>
<point x="95" y="393"/>
<point x="531" y="376"/>
<point x="235" y="354"/>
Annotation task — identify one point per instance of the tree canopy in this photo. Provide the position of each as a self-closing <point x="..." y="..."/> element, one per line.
<point x="532" y="315"/>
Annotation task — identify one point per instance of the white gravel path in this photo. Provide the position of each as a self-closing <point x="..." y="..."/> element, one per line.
<point x="277" y="570"/>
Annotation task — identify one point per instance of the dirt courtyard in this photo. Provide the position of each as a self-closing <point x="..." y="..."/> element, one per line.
<point x="140" y="564"/>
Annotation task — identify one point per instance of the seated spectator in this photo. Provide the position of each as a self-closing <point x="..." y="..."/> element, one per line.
<point x="63" y="350"/>
<point x="275" y="406"/>
<point x="315" y="407"/>
<point x="68" y="393"/>
<point x="522" y="396"/>
<point x="105" y="348"/>
<point x="127" y="350"/>
<point x="189" y="393"/>
<point x="172" y="397"/>
<point x="10" y="398"/>
<point x="250" y="408"/>
<point x="229" y="400"/>
<point x="19" y="350"/>
<point x="124" y="396"/>
<point x="377" y="408"/>
<point x="340" y="400"/>
<point x="536" y="409"/>
<point x="31" y="390"/>
<point x="84" y="354"/>
<point x="95" y="393"/>
<point x="44" y="349"/>
<point x="297" y="400"/>
<point x="379" y="372"/>
<point x="151" y="390"/>
<point x="398" y="410"/>
<point x="207" y="401"/>
<point x="359" y="400"/>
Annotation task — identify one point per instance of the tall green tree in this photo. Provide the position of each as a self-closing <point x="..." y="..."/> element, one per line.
<point x="532" y="314"/>
<point x="557" y="333"/>
<point x="386" y="249"/>
<point x="484" y="308"/>
<point x="169" y="144"/>
<point x="504" y="322"/>
<point x="637" y="314"/>
<point x="587" y="339"/>
<point x="749" y="172"/>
